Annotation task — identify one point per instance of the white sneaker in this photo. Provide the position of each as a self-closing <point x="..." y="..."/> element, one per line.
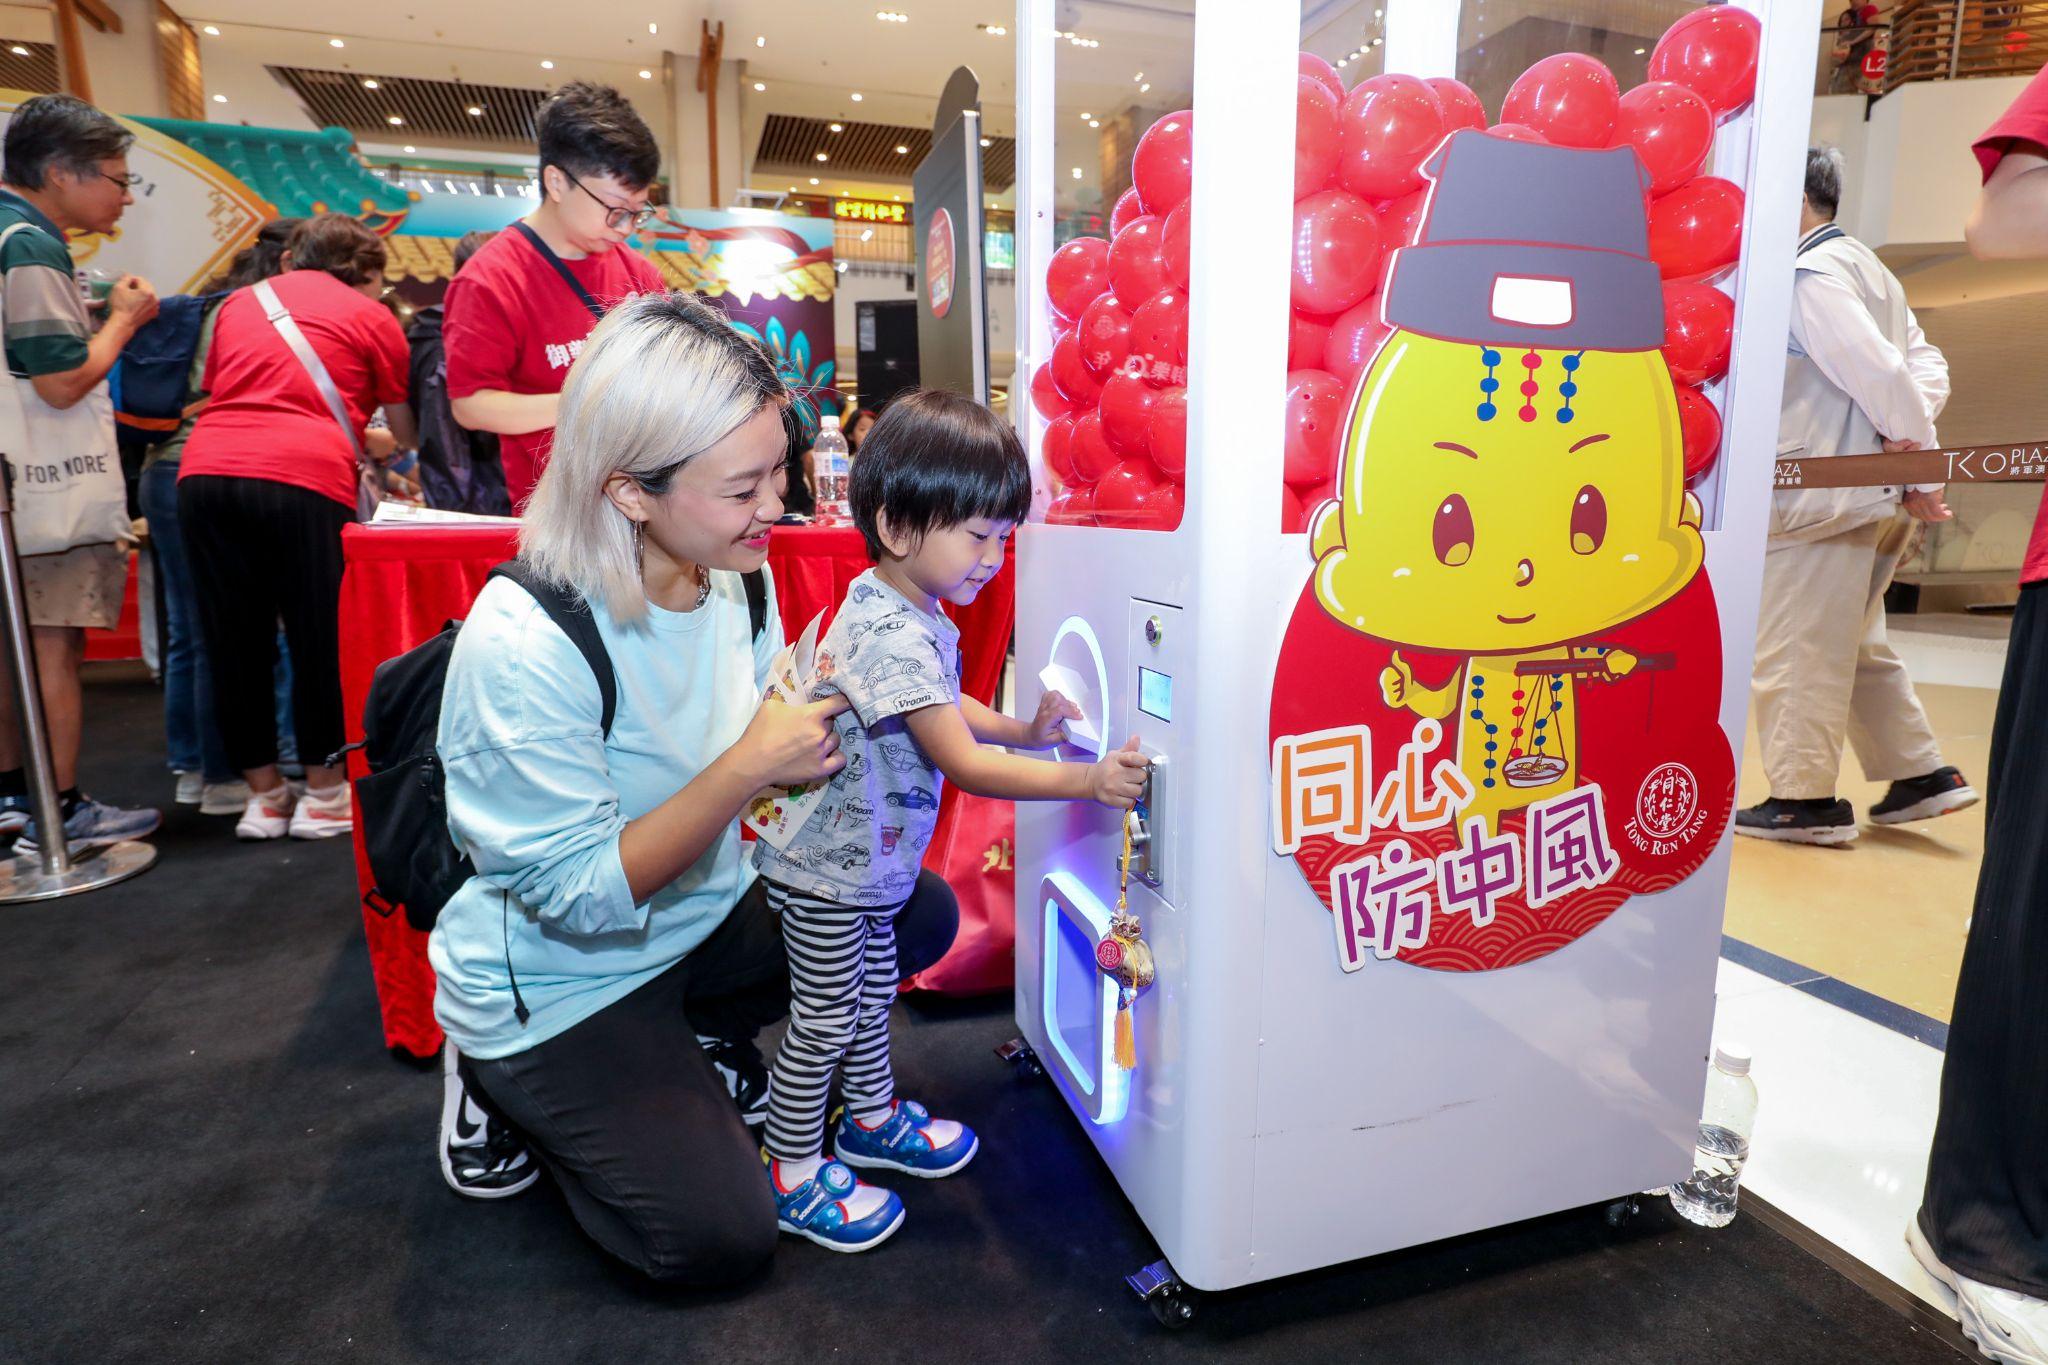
<point x="2009" y="1328"/>
<point x="224" y="798"/>
<point x="323" y="815"/>
<point x="189" y="788"/>
<point x="266" y="815"/>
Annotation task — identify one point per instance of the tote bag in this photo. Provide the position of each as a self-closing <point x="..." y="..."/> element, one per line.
<point x="62" y="464"/>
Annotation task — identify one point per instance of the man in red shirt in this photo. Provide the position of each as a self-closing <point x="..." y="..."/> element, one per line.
<point x="1982" y="1228"/>
<point x="514" y="319"/>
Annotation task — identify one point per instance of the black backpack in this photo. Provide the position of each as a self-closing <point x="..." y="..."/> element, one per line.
<point x="402" y="805"/>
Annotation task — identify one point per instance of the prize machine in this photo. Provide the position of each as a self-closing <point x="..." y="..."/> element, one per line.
<point x="1404" y="422"/>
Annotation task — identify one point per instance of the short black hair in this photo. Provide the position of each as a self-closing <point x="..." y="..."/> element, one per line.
<point x="933" y="460"/>
<point x="60" y="132"/>
<point x="1824" y="180"/>
<point x="589" y="129"/>
<point x="469" y="244"/>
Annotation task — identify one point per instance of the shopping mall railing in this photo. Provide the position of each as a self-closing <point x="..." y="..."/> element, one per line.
<point x="1946" y="40"/>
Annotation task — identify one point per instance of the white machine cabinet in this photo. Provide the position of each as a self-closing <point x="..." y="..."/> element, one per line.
<point x="1288" y="1113"/>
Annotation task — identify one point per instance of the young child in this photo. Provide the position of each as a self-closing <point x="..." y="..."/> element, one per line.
<point x="940" y="484"/>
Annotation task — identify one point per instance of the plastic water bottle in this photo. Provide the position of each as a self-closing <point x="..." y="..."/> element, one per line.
<point x="829" y="466"/>
<point x="1708" y="1199"/>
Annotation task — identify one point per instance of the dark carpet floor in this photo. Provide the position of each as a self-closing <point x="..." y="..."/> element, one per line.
<point x="207" y="1155"/>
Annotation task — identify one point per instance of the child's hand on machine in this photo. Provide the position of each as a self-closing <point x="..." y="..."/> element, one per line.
<point x="1119" y="779"/>
<point x="787" y="745"/>
<point x="1048" y="728"/>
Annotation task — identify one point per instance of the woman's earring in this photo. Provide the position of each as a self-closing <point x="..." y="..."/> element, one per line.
<point x="639" y="537"/>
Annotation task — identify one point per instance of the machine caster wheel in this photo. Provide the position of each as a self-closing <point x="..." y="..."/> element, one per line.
<point x="1173" y="1304"/>
<point x="1622" y="1212"/>
<point x="1020" y="1055"/>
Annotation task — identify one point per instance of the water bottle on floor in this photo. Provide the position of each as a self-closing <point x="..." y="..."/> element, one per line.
<point x="1708" y="1199"/>
<point x="829" y="466"/>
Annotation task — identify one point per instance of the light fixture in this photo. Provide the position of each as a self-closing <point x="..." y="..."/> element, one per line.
<point x="994" y="30"/>
<point x="839" y="266"/>
<point x="890" y="16"/>
<point x="897" y="197"/>
<point x="1343" y="62"/>
<point x="394" y="120"/>
<point x="409" y="148"/>
<point x="1077" y="172"/>
<point x="1140" y="78"/>
<point x="986" y="143"/>
<point x="646" y="75"/>
<point x="653" y="29"/>
<point x="547" y="65"/>
<point x="336" y="42"/>
<point x="792" y="189"/>
<point x="814" y="180"/>
<point x="211" y="30"/>
<point x="867" y="234"/>
<point x="1085" y="116"/>
<point x="836" y="127"/>
<point x="220" y="99"/>
<point x="476" y="111"/>
<point x="370" y="85"/>
<point x="760" y="40"/>
<point x="821" y="157"/>
<point x="1641" y="50"/>
<point x="758" y="87"/>
<point x="1145" y="87"/>
<point x="902" y="150"/>
<point x="1095" y="123"/>
<point x="18" y="50"/>
<point x="856" y="97"/>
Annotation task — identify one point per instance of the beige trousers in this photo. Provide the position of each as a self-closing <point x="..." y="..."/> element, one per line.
<point x="1825" y="669"/>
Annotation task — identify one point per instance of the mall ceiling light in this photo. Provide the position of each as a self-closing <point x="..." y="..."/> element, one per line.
<point x="986" y="143"/>
<point x="336" y="42"/>
<point x="760" y="40"/>
<point x="646" y="75"/>
<point x="394" y="120"/>
<point x="211" y="30"/>
<point x="217" y="99"/>
<point x="1077" y="172"/>
<point x="836" y="127"/>
<point x="369" y="85"/>
<point x="653" y="29"/>
<point x="814" y="180"/>
<point x="1641" y="50"/>
<point x="856" y="97"/>
<point x="18" y="50"/>
<point x="822" y="157"/>
<point x="409" y="149"/>
<point x="1095" y="123"/>
<point x="867" y="234"/>
<point x="758" y="87"/>
<point x="995" y="30"/>
<point x="902" y="150"/>
<point x="476" y="111"/>
<point x="1143" y="88"/>
<point x="547" y="65"/>
<point x="890" y="16"/>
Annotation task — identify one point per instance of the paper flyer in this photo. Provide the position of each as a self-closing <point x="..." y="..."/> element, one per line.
<point x="777" y="814"/>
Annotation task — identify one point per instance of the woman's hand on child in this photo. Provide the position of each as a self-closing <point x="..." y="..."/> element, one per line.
<point x="1048" y="727"/>
<point x="1119" y="779"/>
<point x="787" y="745"/>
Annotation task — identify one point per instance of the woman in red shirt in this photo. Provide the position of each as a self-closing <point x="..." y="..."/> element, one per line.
<point x="269" y="480"/>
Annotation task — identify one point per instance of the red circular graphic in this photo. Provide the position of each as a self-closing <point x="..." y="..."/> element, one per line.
<point x="1637" y="735"/>
<point x="1109" y="954"/>
<point x="938" y="263"/>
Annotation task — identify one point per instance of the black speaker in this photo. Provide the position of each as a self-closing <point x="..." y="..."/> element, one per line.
<point x="885" y="345"/>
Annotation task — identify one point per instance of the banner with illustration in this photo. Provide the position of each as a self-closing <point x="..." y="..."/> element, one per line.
<point x="1496" y="711"/>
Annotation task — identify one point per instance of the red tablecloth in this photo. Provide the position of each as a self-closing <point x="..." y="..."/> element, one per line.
<point x="404" y="582"/>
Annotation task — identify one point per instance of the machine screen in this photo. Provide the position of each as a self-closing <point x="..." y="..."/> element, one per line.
<point x="1155" y="694"/>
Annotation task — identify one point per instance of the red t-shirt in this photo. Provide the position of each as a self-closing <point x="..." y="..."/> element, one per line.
<point x="2025" y="126"/>
<point x="511" y="323"/>
<point x="264" y="417"/>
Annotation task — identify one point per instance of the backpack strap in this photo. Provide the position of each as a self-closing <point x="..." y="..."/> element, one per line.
<point x="757" y="601"/>
<point x="547" y="253"/>
<point x="569" y="611"/>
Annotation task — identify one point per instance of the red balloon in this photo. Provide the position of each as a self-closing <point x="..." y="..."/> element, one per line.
<point x="1570" y="98"/>
<point x="1355" y="337"/>
<point x="1391" y="125"/>
<point x="1336" y="249"/>
<point x="1307" y="337"/>
<point x="1315" y="419"/>
<point x="1293" y="520"/>
<point x="1160" y="509"/>
<point x="1076" y="274"/>
<point x="1461" y="107"/>
<point x="1323" y="73"/>
<point x="1060" y="326"/>
<point x="1696" y="230"/>
<point x="1075" y="507"/>
<point x="1045" y="395"/>
<point x="1671" y="128"/>
<point x="1516" y="132"/>
<point x="1177" y="243"/>
<point x="1163" y="166"/>
<point x="1318" y="136"/>
<point x="1137" y="259"/>
<point x="1127" y="208"/>
<point x="1071" y="374"/>
<point x="1699" y="323"/>
<point x="1089" y="451"/>
<point x="1056" y="447"/>
<point x="1120" y="494"/>
<point x="1159" y="338"/>
<point x="1401" y="219"/>
<point x="1712" y="52"/>
<point x="1104" y="335"/>
<point x="1127" y="413"/>
<point x="1700" y="423"/>
<point x="1169" y="438"/>
<point x="1312" y="497"/>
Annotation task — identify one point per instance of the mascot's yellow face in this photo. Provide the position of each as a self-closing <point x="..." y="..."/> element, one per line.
<point x="1495" y="535"/>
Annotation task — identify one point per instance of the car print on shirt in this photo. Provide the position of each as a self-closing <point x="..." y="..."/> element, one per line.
<point x="846" y="857"/>
<point x="900" y="758"/>
<point x="865" y="592"/>
<point x="889" y="887"/>
<point x="917" y="798"/>
<point x="895" y="666"/>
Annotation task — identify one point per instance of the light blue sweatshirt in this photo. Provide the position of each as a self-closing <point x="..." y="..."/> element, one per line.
<point x="537" y="797"/>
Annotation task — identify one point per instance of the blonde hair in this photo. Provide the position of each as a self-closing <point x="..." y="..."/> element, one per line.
<point x="662" y="379"/>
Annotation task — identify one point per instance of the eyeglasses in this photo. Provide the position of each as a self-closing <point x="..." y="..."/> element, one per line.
<point x="619" y="219"/>
<point x="126" y="182"/>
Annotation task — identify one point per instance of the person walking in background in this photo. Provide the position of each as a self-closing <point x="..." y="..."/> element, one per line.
<point x="191" y="732"/>
<point x="1859" y="373"/>
<point x="518" y="313"/>
<point x="66" y="168"/>
<point x="1982" y="1228"/>
<point x="459" y="469"/>
<point x="270" y="477"/>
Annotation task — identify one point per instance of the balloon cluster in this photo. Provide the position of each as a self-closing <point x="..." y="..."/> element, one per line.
<point x="1114" y="391"/>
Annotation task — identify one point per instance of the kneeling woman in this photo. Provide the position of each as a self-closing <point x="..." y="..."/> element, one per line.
<point x="614" y="942"/>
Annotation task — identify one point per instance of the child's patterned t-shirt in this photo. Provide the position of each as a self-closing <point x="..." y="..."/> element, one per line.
<point x="866" y="840"/>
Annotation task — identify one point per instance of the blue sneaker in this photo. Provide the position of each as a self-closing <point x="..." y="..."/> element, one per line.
<point x="14" y="815"/>
<point x="94" y="824"/>
<point x="910" y="1140"/>
<point x="822" y="1208"/>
